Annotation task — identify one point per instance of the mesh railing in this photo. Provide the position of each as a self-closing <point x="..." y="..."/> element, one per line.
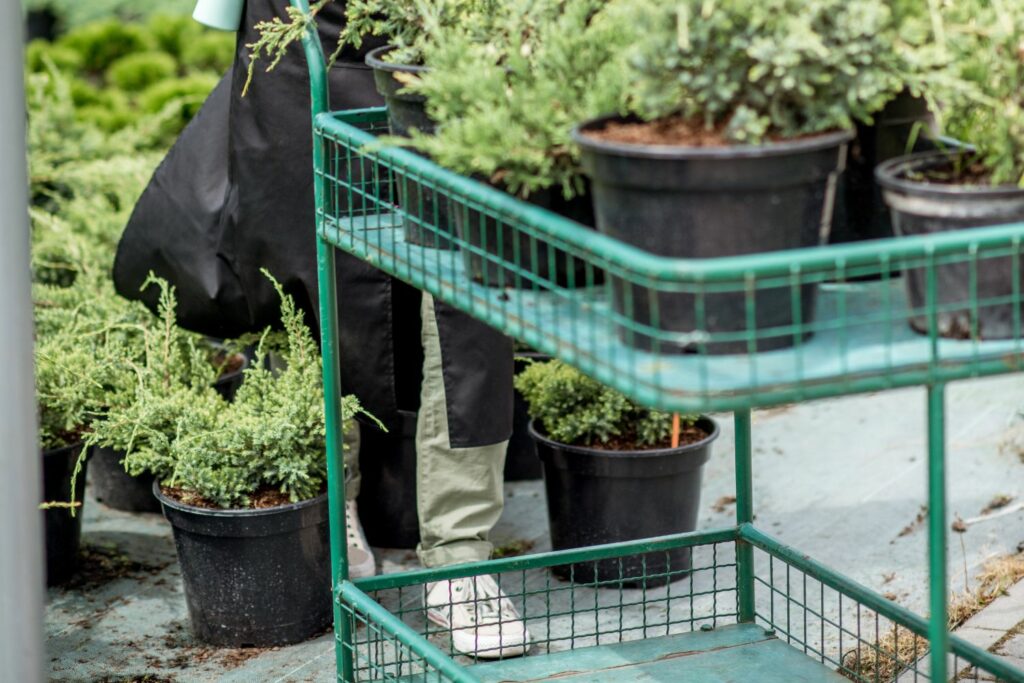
<point x="678" y="334"/>
<point x="828" y="618"/>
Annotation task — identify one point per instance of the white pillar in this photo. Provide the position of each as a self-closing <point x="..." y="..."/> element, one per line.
<point x="21" y="552"/>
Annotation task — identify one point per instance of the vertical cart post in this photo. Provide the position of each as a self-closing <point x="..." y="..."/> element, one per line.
<point x="744" y="515"/>
<point x="21" y="533"/>
<point x="334" y="423"/>
<point x="938" y="630"/>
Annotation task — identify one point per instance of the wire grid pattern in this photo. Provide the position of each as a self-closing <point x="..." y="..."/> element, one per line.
<point x="613" y="604"/>
<point x="816" y="616"/>
<point x="677" y="334"/>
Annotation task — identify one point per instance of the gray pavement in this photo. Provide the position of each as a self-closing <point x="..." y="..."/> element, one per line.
<point x="842" y="480"/>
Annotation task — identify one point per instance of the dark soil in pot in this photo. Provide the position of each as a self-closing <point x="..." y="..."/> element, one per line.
<point x="521" y="461"/>
<point x="387" y="494"/>
<point x="922" y="205"/>
<point x="115" y="488"/>
<point x="708" y="202"/>
<point x="405" y="113"/>
<point x="861" y="213"/>
<point x="63" y="531"/>
<point x="600" y="496"/>
<point x="254" y="578"/>
<point x="491" y="243"/>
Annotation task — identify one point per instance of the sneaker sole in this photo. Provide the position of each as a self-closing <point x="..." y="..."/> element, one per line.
<point x="461" y="647"/>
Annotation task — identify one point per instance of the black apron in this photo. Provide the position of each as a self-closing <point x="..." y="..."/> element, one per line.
<point x="235" y="194"/>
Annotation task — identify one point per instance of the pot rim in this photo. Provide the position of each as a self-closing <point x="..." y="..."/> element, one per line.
<point x="61" y="450"/>
<point x="535" y="433"/>
<point x="811" y="143"/>
<point x="374" y="61"/>
<point x="889" y="174"/>
<point x="232" y="513"/>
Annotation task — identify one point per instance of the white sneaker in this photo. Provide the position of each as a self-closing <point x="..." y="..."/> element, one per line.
<point x="482" y="621"/>
<point x="361" y="563"/>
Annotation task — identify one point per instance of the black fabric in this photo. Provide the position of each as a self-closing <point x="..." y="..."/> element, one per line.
<point x="235" y="195"/>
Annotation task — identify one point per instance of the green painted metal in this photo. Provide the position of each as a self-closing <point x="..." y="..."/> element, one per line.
<point x="743" y="652"/>
<point x="744" y="514"/>
<point x="938" y="632"/>
<point x="861" y="342"/>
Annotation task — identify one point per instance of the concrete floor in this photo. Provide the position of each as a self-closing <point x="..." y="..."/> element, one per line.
<point x="842" y="480"/>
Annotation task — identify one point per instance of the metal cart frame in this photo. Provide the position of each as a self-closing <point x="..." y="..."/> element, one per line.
<point x="365" y="192"/>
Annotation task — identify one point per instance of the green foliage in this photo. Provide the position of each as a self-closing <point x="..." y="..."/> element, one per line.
<point x="406" y="24"/>
<point x="507" y="90"/>
<point x="985" y="39"/>
<point x="211" y="51"/>
<point x="771" y="68"/>
<point x="576" y="410"/>
<point x="141" y="70"/>
<point x="102" y="43"/>
<point x="410" y="26"/>
<point x="41" y="54"/>
<point x="74" y="13"/>
<point x="177" y="427"/>
<point x="188" y="92"/>
<point x="173" y="34"/>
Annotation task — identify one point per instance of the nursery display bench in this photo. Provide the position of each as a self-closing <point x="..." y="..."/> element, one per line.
<point x="745" y="607"/>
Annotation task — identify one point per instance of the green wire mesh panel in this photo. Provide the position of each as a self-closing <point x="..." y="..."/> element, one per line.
<point x="677" y="334"/>
<point x="808" y="620"/>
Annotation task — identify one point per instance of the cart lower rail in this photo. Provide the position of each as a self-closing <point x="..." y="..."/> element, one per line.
<point x="643" y="614"/>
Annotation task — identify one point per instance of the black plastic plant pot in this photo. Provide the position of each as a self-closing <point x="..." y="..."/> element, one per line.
<point x="254" y="578"/>
<point x="598" y="496"/>
<point x="63" y="531"/>
<point x="708" y="202"/>
<point x="387" y="494"/>
<point x="861" y="213"/>
<point x="228" y="384"/>
<point x="407" y="112"/>
<point x="492" y="246"/>
<point x="974" y="300"/>
<point x="115" y="488"/>
<point x="521" y="460"/>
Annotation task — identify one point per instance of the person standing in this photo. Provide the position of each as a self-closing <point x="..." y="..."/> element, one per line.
<point x="234" y="195"/>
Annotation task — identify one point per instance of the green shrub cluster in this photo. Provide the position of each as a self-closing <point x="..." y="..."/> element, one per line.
<point x="121" y="73"/>
<point x="576" y="410"/>
<point x="71" y="14"/>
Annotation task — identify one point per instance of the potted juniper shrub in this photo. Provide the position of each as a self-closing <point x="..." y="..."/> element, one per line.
<point x="611" y="473"/>
<point x="242" y="484"/>
<point x="731" y="133"/>
<point x="504" y="108"/>
<point x="82" y="334"/>
<point x="977" y="185"/>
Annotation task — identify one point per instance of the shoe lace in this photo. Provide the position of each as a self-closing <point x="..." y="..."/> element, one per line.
<point x="484" y="600"/>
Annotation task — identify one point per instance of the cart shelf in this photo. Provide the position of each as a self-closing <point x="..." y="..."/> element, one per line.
<point x="802" y="324"/>
<point x="730" y="654"/>
<point x="862" y="340"/>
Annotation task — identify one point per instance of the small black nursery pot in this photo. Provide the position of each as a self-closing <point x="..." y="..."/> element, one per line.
<point x="709" y="202"/>
<point x="602" y="496"/>
<point x="407" y="112"/>
<point x="923" y="206"/>
<point x="115" y="488"/>
<point x="63" y="531"/>
<point x="254" y="578"/>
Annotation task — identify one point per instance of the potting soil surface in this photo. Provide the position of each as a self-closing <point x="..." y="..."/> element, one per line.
<point x="843" y="480"/>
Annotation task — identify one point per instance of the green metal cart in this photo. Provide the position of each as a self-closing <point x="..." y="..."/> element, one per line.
<point x="747" y="607"/>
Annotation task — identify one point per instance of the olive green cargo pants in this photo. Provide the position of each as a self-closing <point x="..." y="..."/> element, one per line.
<point x="459" y="495"/>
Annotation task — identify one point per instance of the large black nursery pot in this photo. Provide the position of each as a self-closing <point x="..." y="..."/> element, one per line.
<point x="521" y="460"/>
<point x="920" y="207"/>
<point x="63" y="531"/>
<point x="492" y="246"/>
<point x="708" y="202"/>
<point x="387" y="494"/>
<point x="407" y="112"/>
<point x="861" y="213"/>
<point x="254" y="578"/>
<point x="599" y="496"/>
<point x="115" y="488"/>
